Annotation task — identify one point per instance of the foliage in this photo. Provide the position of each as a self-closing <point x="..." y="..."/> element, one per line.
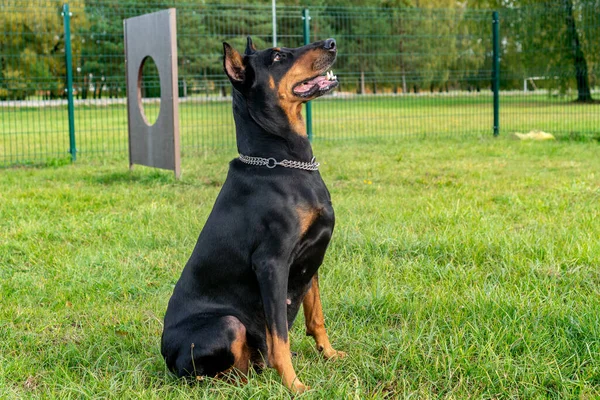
<point x="32" y="49"/>
<point x="386" y="45"/>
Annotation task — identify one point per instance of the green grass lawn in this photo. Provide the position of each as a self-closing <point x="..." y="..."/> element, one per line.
<point x="42" y="134"/>
<point x="458" y="269"/>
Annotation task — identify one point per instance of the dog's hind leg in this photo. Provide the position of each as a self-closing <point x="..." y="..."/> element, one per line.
<point x="206" y="346"/>
<point x="315" y="321"/>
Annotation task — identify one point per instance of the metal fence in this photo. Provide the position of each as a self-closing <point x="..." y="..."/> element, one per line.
<point x="403" y="72"/>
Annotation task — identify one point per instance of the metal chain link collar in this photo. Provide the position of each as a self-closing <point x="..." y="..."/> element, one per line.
<point x="272" y="163"/>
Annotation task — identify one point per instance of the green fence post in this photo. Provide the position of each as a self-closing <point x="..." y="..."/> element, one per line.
<point x="69" y="64"/>
<point x="496" y="71"/>
<point x="306" y="18"/>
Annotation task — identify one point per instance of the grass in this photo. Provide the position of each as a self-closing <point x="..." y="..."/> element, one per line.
<point x="458" y="269"/>
<point x="41" y="134"/>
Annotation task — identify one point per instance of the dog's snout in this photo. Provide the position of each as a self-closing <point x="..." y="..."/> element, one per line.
<point x="330" y="45"/>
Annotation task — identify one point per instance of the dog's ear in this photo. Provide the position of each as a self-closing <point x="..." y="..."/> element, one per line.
<point x="250" y="47"/>
<point x="233" y="64"/>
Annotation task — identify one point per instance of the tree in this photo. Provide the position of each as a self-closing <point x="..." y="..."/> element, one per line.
<point x="584" y="93"/>
<point x="101" y="64"/>
<point x="412" y="44"/>
<point x="553" y="39"/>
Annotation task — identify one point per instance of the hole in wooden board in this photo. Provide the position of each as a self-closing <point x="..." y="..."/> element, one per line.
<point x="149" y="91"/>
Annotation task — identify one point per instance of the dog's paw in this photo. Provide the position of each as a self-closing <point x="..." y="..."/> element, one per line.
<point x="299" y="388"/>
<point x="332" y="354"/>
<point x="329" y="353"/>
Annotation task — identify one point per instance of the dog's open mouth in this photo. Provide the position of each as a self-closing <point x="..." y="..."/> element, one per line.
<point x="318" y="85"/>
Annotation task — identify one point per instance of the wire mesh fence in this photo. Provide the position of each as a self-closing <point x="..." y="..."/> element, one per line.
<point x="550" y="69"/>
<point x="407" y="72"/>
<point x="403" y="72"/>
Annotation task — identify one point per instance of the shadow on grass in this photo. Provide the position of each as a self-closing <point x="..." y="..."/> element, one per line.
<point x="153" y="178"/>
<point x="50" y="163"/>
<point x="578" y="137"/>
<point x="150" y="178"/>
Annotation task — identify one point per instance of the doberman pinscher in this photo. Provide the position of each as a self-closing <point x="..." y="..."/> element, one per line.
<point x="256" y="259"/>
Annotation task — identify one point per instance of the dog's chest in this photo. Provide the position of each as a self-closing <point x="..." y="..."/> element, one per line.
<point x="308" y="256"/>
<point x="311" y="217"/>
<point x="315" y="228"/>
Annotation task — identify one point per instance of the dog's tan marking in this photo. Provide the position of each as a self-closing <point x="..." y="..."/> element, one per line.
<point x="241" y="352"/>
<point x="241" y="358"/>
<point x="293" y="112"/>
<point x="301" y="70"/>
<point x="292" y="105"/>
<point x="315" y="321"/>
<point x="306" y="217"/>
<point x="280" y="358"/>
<point x="271" y="82"/>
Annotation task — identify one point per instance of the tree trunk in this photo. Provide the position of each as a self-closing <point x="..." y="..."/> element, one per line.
<point x="362" y="82"/>
<point x="84" y="88"/>
<point x="402" y="67"/>
<point x="581" y="69"/>
<point x="98" y="90"/>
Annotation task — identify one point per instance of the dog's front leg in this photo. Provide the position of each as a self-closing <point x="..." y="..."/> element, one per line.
<point x="315" y="321"/>
<point x="272" y="273"/>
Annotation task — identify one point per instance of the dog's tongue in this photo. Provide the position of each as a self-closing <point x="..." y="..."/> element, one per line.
<point x="321" y="81"/>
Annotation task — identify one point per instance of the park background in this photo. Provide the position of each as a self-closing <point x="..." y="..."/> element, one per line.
<point x="406" y="69"/>
<point x="462" y="265"/>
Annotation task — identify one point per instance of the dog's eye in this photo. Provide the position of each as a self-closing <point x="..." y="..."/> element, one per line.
<point x="277" y="57"/>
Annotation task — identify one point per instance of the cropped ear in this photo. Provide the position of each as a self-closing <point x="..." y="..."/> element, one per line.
<point x="233" y="64"/>
<point x="250" y="47"/>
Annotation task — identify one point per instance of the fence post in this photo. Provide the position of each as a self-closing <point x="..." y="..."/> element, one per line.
<point x="69" y="66"/>
<point x="496" y="71"/>
<point x="306" y="18"/>
<point x="274" y="16"/>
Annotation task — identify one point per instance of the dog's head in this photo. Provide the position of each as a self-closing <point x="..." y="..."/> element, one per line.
<point x="281" y="79"/>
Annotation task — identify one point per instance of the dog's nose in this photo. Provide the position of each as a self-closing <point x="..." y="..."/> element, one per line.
<point x="330" y="45"/>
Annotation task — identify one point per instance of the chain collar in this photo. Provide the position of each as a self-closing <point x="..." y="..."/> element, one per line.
<point x="272" y="163"/>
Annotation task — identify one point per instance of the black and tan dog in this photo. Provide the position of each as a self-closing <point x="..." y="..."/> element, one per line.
<point x="257" y="257"/>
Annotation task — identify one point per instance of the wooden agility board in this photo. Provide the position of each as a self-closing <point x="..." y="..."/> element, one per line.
<point x="153" y="35"/>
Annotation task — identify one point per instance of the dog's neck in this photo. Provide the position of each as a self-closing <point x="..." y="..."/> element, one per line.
<point x="254" y="140"/>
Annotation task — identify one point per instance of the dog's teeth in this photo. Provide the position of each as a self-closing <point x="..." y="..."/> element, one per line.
<point x="329" y="75"/>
